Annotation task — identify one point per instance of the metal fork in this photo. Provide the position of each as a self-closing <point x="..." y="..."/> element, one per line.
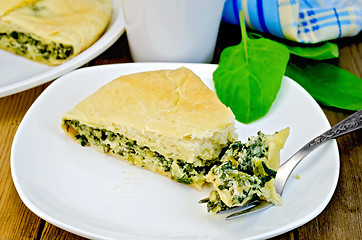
<point x="350" y="124"/>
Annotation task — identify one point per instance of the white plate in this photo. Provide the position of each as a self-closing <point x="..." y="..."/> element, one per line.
<point x="98" y="196"/>
<point x="19" y="74"/>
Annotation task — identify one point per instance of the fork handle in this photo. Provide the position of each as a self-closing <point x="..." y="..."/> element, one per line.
<point x="350" y="124"/>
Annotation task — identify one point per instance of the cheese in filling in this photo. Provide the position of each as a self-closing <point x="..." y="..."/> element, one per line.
<point x="243" y="172"/>
<point x="26" y="44"/>
<point x="247" y="172"/>
<point x="118" y="144"/>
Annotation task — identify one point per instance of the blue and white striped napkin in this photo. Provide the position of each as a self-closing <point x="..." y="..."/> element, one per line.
<point x="305" y="21"/>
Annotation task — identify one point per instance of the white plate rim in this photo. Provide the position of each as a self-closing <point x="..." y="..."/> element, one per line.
<point x="150" y="66"/>
<point x="115" y="29"/>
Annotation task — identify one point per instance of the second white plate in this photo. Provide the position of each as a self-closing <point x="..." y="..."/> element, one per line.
<point x="19" y="74"/>
<point x="97" y="196"/>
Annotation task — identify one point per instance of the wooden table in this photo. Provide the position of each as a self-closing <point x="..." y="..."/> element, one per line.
<point x="342" y="218"/>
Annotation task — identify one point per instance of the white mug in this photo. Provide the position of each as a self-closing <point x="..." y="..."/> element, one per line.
<point x="172" y="30"/>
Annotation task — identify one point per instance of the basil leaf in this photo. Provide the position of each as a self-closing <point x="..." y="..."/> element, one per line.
<point x="328" y="84"/>
<point x="249" y="75"/>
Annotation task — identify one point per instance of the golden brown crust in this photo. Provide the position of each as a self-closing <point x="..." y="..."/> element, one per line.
<point x="9" y="5"/>
<point x="171" y="111"/>
<point x="168" y="102"/>
<point x="276" y="143"/>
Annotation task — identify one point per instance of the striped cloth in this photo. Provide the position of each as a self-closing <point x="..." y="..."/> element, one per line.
<point x="305" y="21"/>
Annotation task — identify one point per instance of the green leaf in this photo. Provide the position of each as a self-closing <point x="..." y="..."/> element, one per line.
<point x="323" y="51"/>
<point x="249" y="75"/>
<point x="328" y="84"/>
<point x="318" y="51"/>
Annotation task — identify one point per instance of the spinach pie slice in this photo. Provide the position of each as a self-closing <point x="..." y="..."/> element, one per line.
<point x="52" y="31"/>
<point x="167" y="121"/>
<point x="247" y="172"/>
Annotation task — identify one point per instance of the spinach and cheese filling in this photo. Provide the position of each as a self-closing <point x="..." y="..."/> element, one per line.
<point x="247" y="172"/>
<point x="118" y="144"/>
<point x="22" y="43"/>
<point x="214" y="203"/>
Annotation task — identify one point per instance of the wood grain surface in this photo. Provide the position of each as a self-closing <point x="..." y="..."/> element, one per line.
<point x="341" y="219"/>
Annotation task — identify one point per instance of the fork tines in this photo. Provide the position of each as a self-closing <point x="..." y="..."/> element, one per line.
<point x="239" y="211"/>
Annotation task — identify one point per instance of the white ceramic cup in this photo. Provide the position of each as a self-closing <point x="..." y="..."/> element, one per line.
<point x="172" y="30"/>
